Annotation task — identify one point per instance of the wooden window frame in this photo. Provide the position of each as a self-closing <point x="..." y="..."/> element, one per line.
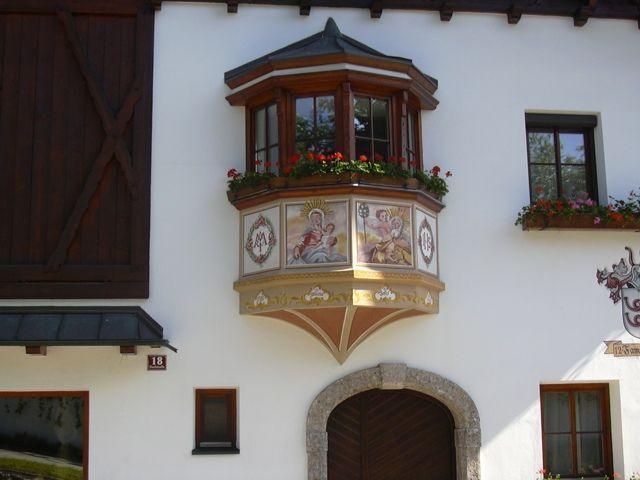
<point x="336" y="114"/>
<point x="230" y="395"/>
<point x="605" y="416"/>
<point x="390" y="123"/>
<point x="251" y="134"/>
<point x="85" y="416"/>
<point x="558" y="124"/>
<point x="400" y="102"/>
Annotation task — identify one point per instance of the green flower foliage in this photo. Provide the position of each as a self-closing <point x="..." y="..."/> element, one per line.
<point x="311" y="164"/>
<point x="617" y="211"/>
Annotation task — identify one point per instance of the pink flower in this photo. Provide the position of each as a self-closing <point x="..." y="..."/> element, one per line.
<point x="597" y="220"/>
<point x="589" y="203"/>
<point x="573" y="205"/>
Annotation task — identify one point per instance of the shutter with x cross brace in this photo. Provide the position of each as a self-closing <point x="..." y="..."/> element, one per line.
<point x="75" y="148"/>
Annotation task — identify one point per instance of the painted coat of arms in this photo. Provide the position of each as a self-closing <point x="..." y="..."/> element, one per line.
<point x="260" y="240"/>
<point x="624" y="284"/>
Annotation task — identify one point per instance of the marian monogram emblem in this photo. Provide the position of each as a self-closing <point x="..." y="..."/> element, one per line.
<point x="260" y="240"/>
<point x="426" y="241"/>
<point x="624" y="284"/>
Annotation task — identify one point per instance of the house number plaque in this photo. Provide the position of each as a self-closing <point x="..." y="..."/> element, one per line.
<point x="156" y="362"/>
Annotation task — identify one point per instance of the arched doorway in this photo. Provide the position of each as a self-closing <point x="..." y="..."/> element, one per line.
<point x="391" y="435"/>
<point x="395" y="377"/>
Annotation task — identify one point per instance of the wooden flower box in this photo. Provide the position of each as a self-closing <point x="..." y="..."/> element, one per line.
<point x="578" y="222"/>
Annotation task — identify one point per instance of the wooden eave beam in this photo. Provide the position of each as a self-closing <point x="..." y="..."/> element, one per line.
<point x="36" y="350"/>
<point x="305" y="7"/>
<point x="446" y="12"/>
<point x="232" y="6"/>
<point x="613" y="9"/>
<point x="514" y="14"/>
<point x="376" y="9"/>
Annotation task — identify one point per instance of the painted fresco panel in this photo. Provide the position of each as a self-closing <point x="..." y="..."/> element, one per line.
<point x="384" y="234"/>
<point x="426" y="242"/>
<point x="317" y="233"/>
<point x="261" y="241"/>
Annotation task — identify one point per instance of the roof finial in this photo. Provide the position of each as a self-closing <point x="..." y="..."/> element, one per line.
<point x="331" y="29"/>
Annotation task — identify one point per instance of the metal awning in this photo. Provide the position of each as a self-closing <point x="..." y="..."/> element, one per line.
<point x="79" y="326"/>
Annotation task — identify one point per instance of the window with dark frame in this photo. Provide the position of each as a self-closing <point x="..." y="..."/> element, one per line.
<point x="265" y="139"/>
<point x="216" y="421"/>
<point x="561" y="157"/>
<point x="316" y="124"/>
<point x="576" y="432"/>
<point x="371" y="124"/>
<point x="40" y="429"/>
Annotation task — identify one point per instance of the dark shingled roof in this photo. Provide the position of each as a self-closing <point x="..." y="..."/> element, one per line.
<point x="328" y="42"/>
<point x="79" y="326"/>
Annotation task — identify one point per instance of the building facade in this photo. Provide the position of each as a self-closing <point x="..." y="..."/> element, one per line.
<point x="517" y="320"/>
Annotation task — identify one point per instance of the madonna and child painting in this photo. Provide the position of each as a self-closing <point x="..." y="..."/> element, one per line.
<point x="317" y="233"/>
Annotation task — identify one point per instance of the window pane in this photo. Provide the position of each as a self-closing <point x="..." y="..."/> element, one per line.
<point x="572" y="148"/>
<point x="273" y="159"/>
<point x="541" y="148"/>
<point x="272" y="116"/>
<point x="588" y="415"/>
<point x="363" y="147"/>
<point x="590" y="455"/>
<point x="214" y="421"/>
<point x="326" y="146"/>
<point x="410" y="132"/>
<point x="259" y="128"/>
<point x="558" y="454"/>
<point x="304" y="122"/>
<point x="362" y="117"/>
<point x="326" y="118"/>
<point x="543" y="182"/>
<point x="556" y="412"/>
<point x="260" y="160"/>
<point x="381" y="151"/>
<point x="38" y="432"/>
<point x="574" y="182"/>
<point x="380" y="109"/>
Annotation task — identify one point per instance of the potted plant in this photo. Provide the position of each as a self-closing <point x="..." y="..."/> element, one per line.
<point x="583" y="213"/>
<point x="313" y="169"/>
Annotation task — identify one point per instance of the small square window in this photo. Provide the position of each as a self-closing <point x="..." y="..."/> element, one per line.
<point x="561" y="157"/>
<point x="216" y="421"/>
<point x="576" y="435"/>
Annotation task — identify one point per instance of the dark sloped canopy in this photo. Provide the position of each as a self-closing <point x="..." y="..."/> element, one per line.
<point x="53" y="326"/>
<point x="330" y="43"/>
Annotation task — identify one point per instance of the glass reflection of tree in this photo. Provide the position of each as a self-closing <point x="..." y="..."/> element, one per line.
<point x="315" y="131"/>
<point x="544" y="174"/>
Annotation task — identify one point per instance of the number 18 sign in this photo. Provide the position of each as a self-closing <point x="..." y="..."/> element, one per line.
<point x="156" y="362"/>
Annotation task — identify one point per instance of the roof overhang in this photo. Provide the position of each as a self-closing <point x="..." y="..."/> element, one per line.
<point x="80" y="326"/>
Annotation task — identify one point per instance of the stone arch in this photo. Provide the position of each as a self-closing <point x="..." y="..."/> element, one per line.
<point x="396" y="376"/>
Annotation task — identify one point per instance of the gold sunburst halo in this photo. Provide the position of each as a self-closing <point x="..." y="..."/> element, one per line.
<point x="315" y="205"/>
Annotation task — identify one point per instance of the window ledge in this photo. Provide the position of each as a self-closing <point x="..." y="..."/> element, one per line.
<point x="215" y="451"/>
<point x="578" y="222"/>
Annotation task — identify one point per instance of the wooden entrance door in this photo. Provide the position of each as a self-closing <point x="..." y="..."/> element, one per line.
<point x="391" y="435"/>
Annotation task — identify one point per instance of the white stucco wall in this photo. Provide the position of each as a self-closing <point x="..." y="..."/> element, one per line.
<point x="519" y="308"/>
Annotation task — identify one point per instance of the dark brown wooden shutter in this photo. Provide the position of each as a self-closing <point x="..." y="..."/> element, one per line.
<point x="391" y="435"/>
<point x="75" y="148"/>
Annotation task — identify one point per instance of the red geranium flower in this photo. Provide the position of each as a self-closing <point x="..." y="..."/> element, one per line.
<point x="448" y="174"/>
<point x="435" y="170"/>
<point x="392" y="159"/>
<point x="402" y="160"/>
<point x="337" y="156"/>
<point x="321" y="158"/>
<point x="309" y="155"/>
<point x="233" y="173"/>
<point x="287" y="170"/>
<point x="362" y="158"/>
<point x="377" y="157"/>
<point x="293" y="159"/>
